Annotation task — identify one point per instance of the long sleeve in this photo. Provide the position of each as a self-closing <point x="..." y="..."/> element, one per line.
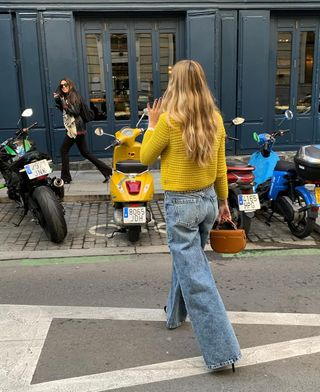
<point x="73" y="110"/>
<point x="58" y="103"/>
<point x="154" y="142"/>
<point x="221" y="183"/>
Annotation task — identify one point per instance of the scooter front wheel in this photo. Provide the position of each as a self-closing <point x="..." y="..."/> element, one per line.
<point x="134" y="233"/>
<point x="303" y="225"/>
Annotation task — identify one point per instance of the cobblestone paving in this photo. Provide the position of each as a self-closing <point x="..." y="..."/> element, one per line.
<point x="88" y="229"/>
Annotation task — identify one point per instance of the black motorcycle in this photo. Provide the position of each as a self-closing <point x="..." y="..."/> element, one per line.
<point x="26" y="174"/>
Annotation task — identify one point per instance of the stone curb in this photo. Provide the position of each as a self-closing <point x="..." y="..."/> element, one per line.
<point x="105" y="197"/>
<point x="128" y="250"/>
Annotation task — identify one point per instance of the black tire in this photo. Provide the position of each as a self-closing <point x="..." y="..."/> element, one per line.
<point x="304" y="225"/>
<point x="49" y="213"/>
<point x="134" y="233"/>
<point x="241" y="220"/>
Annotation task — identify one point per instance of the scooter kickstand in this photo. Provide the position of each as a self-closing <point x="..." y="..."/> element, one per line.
<point x="21" y="219"/>
<point x="267" y="222"/>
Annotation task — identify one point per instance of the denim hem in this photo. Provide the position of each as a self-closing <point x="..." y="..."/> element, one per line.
<point x="221" y="364"/>
<point x="173" y="326"/>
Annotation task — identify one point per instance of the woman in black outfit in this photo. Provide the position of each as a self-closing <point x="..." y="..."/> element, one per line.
<point x="70" y="102"/>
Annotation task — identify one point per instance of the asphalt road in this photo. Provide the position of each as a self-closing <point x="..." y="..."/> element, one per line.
<point x="97" y="324"/>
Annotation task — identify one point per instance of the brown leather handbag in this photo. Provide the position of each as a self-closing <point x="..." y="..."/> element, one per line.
<point x="228" y="239"/>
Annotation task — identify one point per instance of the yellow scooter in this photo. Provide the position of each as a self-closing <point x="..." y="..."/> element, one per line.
<point x="131" y="183"/>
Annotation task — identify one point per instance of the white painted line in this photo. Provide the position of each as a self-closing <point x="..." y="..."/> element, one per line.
<point x="175" y="369"/>
<point x="23" y="330"/>
<point x="302" y="319"/>
<point x="141" y="314"/>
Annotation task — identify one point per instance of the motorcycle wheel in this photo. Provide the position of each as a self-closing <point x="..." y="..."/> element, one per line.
<point x="134" y="233"/>
<point x="50" y="214"/>
<point x="305" y="225"/>
<point x="241" y="220"/>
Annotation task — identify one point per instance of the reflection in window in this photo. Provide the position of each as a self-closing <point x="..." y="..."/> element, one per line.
<point x="167" y="58"/>
<point x="95" y="67"/>
<point x="144" y="70"/>
<point x="120" y="76"/>
<point x="305" y="72"/>
<point x="283" y="75"/>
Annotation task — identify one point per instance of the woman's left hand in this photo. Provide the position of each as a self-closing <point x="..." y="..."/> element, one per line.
<point x="224" y="212"/>
<point x="154" y="112"/>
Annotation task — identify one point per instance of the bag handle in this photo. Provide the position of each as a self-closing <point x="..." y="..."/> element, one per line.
<point x="234" y="226"/>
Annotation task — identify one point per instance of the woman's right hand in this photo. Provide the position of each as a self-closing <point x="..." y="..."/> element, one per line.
<point x="224" y="212"/>
<point x="56" y="95"/>
<point x="154" y="112"/>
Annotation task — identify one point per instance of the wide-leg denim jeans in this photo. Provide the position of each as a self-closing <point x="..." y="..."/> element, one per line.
<point x="189" y="218"/>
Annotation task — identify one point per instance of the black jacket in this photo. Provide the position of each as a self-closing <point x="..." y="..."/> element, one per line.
<point x="72" y="110"/>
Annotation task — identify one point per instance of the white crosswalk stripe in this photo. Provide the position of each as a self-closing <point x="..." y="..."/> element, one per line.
<point x="23" y="331"/>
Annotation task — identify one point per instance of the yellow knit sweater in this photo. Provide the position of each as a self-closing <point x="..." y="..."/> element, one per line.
<point x="179" y="173"/>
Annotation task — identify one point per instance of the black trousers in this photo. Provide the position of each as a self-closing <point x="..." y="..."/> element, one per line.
<point x="80" y="140"/>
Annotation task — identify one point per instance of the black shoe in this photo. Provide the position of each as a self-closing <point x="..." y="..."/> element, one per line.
<point x="106" y="179"/>
<point x="226" y="367"/>
<point x="165" y="308"/>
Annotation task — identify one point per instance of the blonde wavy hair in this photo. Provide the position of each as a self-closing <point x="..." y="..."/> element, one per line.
<point x="189" y="102"/>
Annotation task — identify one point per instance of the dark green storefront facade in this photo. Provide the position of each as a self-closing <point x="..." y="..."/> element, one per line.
<point x="260" y="59"/>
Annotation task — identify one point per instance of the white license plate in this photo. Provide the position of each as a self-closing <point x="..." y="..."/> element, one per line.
<point x="37" y="169"/>
<point x="134" y="215"/>
<point x="249" y="202"/>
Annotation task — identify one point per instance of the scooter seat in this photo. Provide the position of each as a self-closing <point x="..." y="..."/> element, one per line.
<point x="283" y="165"/>
<point x="131" y="166"/>
<point x="239" y="165"/>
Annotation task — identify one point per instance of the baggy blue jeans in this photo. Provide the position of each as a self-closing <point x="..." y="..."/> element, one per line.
<point x="189" y="218"/>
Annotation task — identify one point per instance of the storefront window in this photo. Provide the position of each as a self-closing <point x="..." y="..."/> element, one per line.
<point x="307" y="39"/>
<point x="167" y="58"/>
<point x="283" y="75"/>
<point x="96" y="81"/>
<point x="120" y="76"/>
<point x="144" y="70"/>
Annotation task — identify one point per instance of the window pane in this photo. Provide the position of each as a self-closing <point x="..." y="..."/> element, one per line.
<point x="167" y="58"/>
<point x="144" y="70"/>
<point x="120" y="76"/>
<point x="95" y="67"/>
<point x="283" y="74"/>
<point x="305" y="72"/>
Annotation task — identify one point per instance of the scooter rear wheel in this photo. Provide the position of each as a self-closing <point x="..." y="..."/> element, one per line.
<point x="134" y="233"/>
<point x="241" y="220"/>
<point x="303" y="227"/>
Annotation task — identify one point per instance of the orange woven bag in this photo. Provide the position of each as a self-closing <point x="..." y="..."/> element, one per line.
<point x="230" y="240"/>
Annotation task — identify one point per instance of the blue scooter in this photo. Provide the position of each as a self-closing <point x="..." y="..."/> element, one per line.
<point x="281" y="186"/>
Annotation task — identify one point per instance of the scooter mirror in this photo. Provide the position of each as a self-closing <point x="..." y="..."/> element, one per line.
<point x="27" y="113"/>
<point x="288" y="114"/>
<point x="98" y="131"/>
<point x="238" y="120"/>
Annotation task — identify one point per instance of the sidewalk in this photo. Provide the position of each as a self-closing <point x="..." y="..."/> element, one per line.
<point x="87" y="186"/>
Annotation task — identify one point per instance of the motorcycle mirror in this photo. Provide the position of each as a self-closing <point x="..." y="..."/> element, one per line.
<point x="256" y="137"/>
<point x="238" y="120"/>
<point x="289" y="115"/>
<point x="144" y="113"/>
<point x="98" y="131"/>
<point x="27" y="113"/>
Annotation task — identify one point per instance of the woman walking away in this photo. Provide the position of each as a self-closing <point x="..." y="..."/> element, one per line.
<point x="186" y="130"/>
<point x="70" y="102"/>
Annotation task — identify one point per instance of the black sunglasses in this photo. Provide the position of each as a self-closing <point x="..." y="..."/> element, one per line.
<point x="64" y="85"/>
